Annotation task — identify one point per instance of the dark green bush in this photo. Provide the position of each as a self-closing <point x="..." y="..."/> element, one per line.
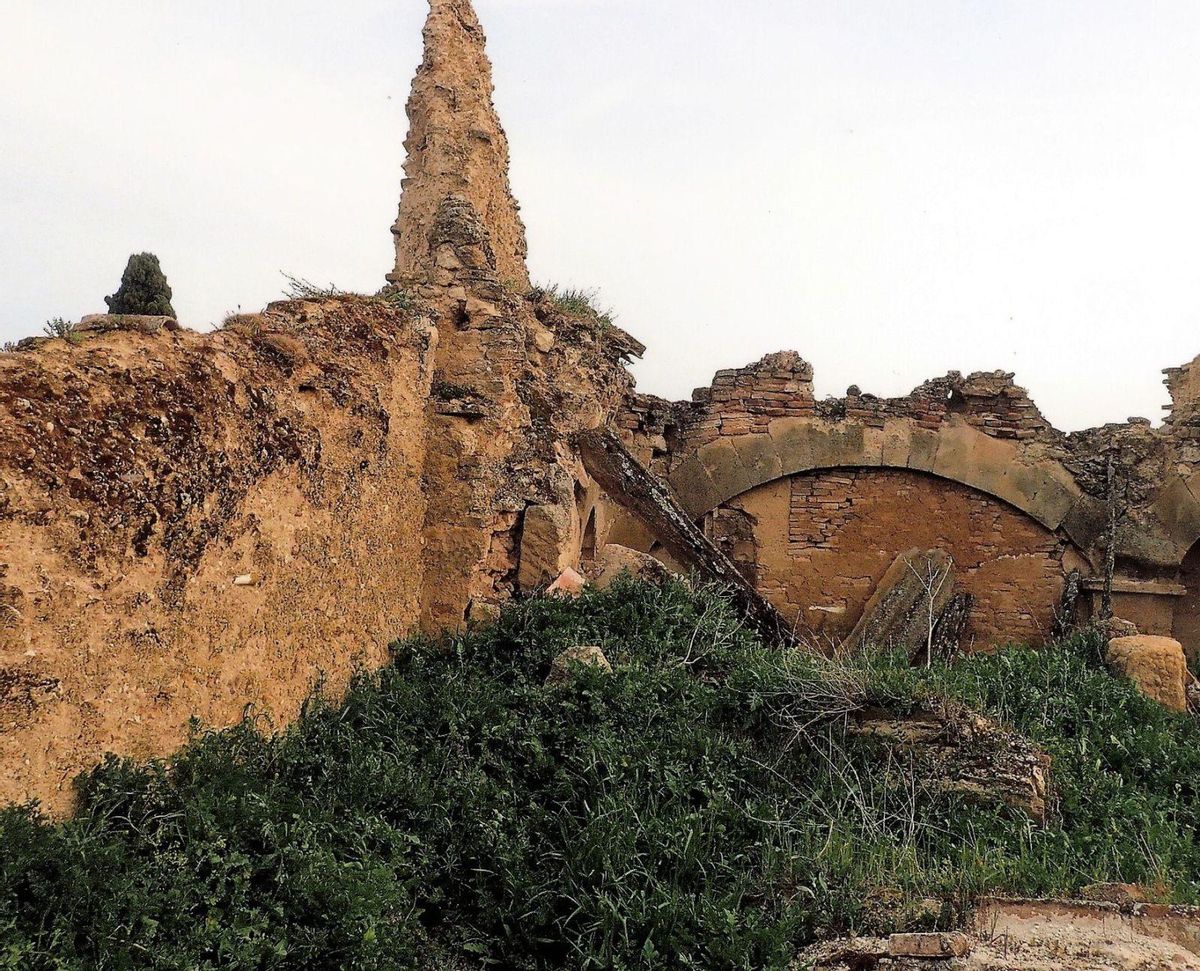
<point x="144" y="289"/>
<point x="455" y="812"/>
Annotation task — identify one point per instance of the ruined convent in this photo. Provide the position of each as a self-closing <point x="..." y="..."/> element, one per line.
<point x="197" y="524"/>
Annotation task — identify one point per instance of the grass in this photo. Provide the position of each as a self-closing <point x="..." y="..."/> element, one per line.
<point x="580" y="304"/>
<point x="300" y="289"/>
<point x="63" y="328"/>
<point x="453" y="811"/>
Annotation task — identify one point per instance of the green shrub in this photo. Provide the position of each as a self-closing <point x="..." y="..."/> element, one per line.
<point x="144" y="289"/>
<point x="61" y="327"/>
<point x="455" y="811"/>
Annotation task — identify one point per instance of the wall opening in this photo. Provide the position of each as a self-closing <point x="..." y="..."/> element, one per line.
<point x="1187" y="607"/>
<point x="587" y="551"/>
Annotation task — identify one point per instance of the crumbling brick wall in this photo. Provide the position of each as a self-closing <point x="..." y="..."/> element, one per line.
<point x="824" y="540"/>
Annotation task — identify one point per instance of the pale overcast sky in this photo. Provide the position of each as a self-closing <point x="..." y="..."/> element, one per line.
<point x="894" y="188"/>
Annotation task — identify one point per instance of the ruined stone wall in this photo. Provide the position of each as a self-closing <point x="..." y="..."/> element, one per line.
<point x="194" y="524"/>
<point x="738" y="442"/>
<point x="191" y="525"/>
<point x="823" y="541"/>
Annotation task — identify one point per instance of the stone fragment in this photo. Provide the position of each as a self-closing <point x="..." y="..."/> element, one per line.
<point x="546" y="545"/>
<point x="588" y="657"/>
<point x="1115" y="627"/>
<point x="1156" y="665"/>
<point x="903" y="611"/>
<point x="937" y="946"/>
<point x="569" y="585"/>
<point x="960" y="751"/>
<point x="614" y="560"/>
<point x="245" y="580"/>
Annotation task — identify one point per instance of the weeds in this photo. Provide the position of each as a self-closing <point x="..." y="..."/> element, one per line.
<point x="66" y="329"/>
<point x="300" y="289"/>
<point x="400" y="298"/>
<point x="576" y="303"/>
<point x="700" y="807"/>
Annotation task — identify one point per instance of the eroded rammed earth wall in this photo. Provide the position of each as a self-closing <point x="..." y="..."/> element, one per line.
<point x="192" y="525"/>
<point x="199" y="525"/>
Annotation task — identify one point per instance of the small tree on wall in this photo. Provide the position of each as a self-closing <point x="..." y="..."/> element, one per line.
<point x="1116" y="501"/>
<point x="144" y="289"/>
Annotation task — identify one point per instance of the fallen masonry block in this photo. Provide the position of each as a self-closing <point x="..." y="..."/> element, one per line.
<point x="1156" y="665"/>
<point x="614" y="560"/>
<point x="904" y="610"/>
<point x="569" y="584"/>
<point x="588" y="657"/>
<point x="935" y="946"/>
<point x="961" y="751"/>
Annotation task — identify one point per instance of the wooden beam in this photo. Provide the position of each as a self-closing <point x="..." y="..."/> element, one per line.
<point x="636" y="489"/>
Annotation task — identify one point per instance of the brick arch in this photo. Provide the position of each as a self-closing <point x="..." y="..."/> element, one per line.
<point x="1038" y="486"/>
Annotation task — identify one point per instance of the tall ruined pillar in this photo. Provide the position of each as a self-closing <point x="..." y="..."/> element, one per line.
<point x="515" y="375"/>
<point x="456" y="147"/>
<point x="460" y="245"/>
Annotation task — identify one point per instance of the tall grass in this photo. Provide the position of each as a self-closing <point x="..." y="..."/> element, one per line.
<point x="581" y="304"/>
<point x="453" y="811"/>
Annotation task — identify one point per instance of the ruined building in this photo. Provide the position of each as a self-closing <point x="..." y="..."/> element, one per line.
<point x="200" y="524"/>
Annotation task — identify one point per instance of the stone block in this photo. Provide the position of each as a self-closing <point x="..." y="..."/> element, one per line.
<point x="842" y="445"/>
<point x="1156" y="665"/>
<point x="569" y="585"/>
<point x="941" y="947"/>
<point x="546" y="545"/>
<point x="923" y="449"/>
<point x="576" y="657"/>
<point x="759" y="457"/>
<point x="1179" y="512"/>
<point x="694" y="488"/>
<point x="968" y="456"/>
<point x="897" y="444"/>
<point x="724" y="466"/>
<point x="1043" y="491"/>
<point x="917" y="587"/>
<point x="793" y="438"/>
<point x="873" y="441"/>
<point x="613" y="560"/>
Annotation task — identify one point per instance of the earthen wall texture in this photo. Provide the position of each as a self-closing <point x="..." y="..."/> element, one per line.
<point x="197" y="525"/>
<point x="822" y="541"/>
